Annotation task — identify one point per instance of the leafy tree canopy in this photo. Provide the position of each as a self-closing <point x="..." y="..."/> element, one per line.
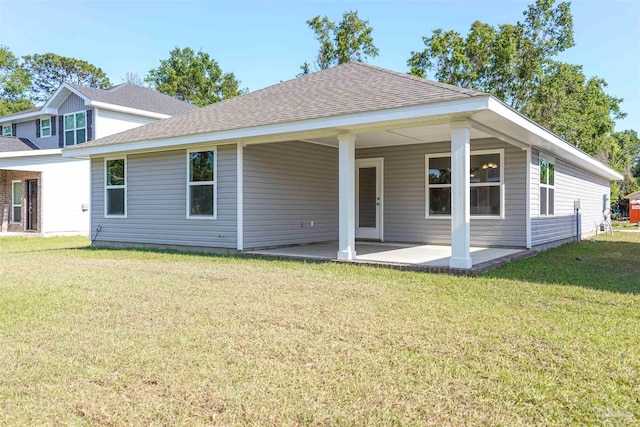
<point x="49" y="71"/>
<point x="15" y="82"/>
<point x="623" y="154"/>
<point x="348" y="40"/>
<point x="515" y="62"/>
<point x="193" y="77"/>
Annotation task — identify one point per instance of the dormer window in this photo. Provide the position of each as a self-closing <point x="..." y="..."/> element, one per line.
<point x="6" y="130"/>
<point x="45" y="128"/>
<point x="75" y="128"/>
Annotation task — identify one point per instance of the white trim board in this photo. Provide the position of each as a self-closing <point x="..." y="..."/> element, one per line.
<point x="379" y="120"/>
<point x="240" y="197"/>
<point x="30" y="153"/>
<point x="305" y="129"/>
<point x="552" y="143"/>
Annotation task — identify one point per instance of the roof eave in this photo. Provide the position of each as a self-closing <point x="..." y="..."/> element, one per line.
<point x="30" y="153"/>
<point x="127" y="110"/>
<point x="327" y="126"/>
<point x="30" y="115"/>
<point x="296" y="129"/>
<point x="561" y="148"/>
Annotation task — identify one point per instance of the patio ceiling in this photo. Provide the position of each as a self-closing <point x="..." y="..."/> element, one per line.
<point x="401" y="136"/>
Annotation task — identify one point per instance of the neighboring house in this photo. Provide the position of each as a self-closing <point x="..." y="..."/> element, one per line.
<point x="352" y="152"/>
<point x="634" y="207"/>
<point x="39" y="190"/>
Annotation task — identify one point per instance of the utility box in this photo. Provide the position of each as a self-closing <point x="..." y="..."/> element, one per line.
<point x="577" y="204"/>
<point x="634" y="212"/>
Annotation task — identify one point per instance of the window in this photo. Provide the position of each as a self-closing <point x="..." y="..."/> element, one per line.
<point x="439" y="185"/>
<point x="75" y="128"/>
<point x="6" y="130"/>
<point x="485" y="181"/>
<point x="201" y="184"/>
<point x="116" y="187"/>
<point x="16" y="201"/>
<point x="45" y="128"/>
<point x="547" y="186"/>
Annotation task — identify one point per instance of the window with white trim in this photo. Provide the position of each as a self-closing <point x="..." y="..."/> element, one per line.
<point x="201" y="184"/>
<point x="547" y="186"/>
<point x="485" y="181"/>
<point x="45" y="128"/>
<point x="115" y="187"/>
<point x="6" y="130"/>
<point x="75" y="128"/>
<point x="16" y="201"/>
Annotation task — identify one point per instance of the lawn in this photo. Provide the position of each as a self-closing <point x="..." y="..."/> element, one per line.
<point x="122" y="337"/>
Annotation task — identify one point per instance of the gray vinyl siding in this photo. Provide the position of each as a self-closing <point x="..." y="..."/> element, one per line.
<point x="72" y="104"/>
<point x="404" y="196"/>
<point x="157" y="202"/>
<point x="286" y="186"/>
<point x="535" y="180"/>
<point x="29" y="129"/>
<point x="571" y="183"/>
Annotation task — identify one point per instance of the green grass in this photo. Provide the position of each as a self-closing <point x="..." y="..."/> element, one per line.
<point x="624" y="224"/>
<point x="121" y="337"/>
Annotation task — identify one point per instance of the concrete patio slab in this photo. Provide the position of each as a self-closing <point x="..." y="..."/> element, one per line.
<point x="433" y="258"/>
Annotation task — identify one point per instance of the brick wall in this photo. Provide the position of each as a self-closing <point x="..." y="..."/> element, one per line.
<point x="6" y="179"/>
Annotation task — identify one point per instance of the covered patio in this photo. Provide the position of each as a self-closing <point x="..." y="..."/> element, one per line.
<point x="434" y="258"/>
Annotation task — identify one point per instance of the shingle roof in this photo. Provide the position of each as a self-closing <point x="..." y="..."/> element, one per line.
<point x="632" y="195"/>
<point x="128" y="95"/>
<point x="30" y="110"/>
<point x="134" y="96"/>
<point x="11" y="143"/>
<point x="345" y="89"/>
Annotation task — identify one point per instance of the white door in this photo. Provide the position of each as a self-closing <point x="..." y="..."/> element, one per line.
<point x="369" y="199"/>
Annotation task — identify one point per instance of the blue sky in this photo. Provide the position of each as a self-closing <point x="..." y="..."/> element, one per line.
<point x="264" y="42"/>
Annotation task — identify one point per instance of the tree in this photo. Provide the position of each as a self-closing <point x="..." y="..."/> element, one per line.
<point x="623" y="155"/>
<point x="49" y="71"/>
<point x="574" y="107"/>
<point x="193" y="77"/>
<point x="349" y="40"/>
<point x="133" y="78"/>
<point x="516" y="64"/>
<point x="508" y="62"/>
<point x="14" y="84"/>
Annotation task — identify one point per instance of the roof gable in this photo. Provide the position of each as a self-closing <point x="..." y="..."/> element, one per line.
<point x="137" y="97"/>
<point x="126" y="95"/>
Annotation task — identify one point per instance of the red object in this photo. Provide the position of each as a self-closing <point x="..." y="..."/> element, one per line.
<point x="634" y="212"/>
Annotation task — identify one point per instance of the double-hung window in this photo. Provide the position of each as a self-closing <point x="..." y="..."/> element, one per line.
<point x="201" y="184"/>
<point x="547" y="186"/>
<point x="116" y="187"/>
<point x="485" y="181"/>
<point x="75" y="128"/>
<point x="45" y="128"/>
<point x="6" y="130"/>
<point x="16" y="201"/>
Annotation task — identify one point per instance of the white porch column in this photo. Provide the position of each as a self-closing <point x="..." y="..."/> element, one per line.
<point x="347" y="196"/>
<point x="460" y="210"/>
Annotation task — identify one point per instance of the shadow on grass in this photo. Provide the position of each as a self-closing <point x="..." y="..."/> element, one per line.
<point x="609" y="265"/>
<point x="603" y="265"/>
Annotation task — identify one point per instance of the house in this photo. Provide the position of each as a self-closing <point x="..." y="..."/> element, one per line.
<point x="351" y="153"/>
<point x="42" y="192"/>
